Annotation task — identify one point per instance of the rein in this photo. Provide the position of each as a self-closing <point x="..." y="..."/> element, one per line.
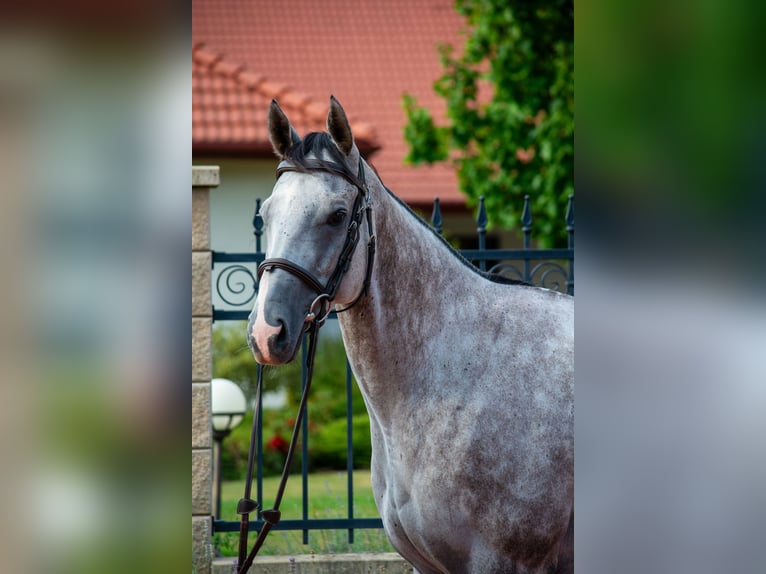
<point x="315" y="318"/>
<point x="247" y="505"/>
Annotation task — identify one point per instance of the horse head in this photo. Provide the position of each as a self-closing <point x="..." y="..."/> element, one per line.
<point x="312" y="224"/>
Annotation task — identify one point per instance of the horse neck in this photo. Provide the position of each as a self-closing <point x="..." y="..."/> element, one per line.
<point x="392" y="329"/>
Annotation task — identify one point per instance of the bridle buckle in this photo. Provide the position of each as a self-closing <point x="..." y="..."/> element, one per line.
<point x="323" y="300"/>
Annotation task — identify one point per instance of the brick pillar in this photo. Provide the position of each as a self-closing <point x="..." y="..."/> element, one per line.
<point x="203" y="178"/>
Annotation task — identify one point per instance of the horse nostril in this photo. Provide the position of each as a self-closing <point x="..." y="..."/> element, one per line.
<point x="282" y="335"/>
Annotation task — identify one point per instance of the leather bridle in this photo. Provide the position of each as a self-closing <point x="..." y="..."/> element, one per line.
<point x="362" y="207"/>
<point x="315" y="318"/>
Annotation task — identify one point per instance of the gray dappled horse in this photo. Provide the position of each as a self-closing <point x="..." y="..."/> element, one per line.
<point x="468" y="379"/>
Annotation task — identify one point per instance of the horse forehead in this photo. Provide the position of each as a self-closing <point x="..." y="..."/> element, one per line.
<point x="303" y="193"/>
<point x="296" y="193"/>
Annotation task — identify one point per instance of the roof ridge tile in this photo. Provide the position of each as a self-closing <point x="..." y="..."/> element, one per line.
<point x="224" y="116"/>
<point x="229" y="69"/>
<point x="272" y="89"/>
<point x="251" y="79"/>
<point x="206" y="58"/>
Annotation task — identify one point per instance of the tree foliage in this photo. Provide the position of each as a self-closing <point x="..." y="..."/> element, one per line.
<point x="510" y="108"/>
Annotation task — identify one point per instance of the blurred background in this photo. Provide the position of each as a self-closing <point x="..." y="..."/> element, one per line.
<point x="95" y="135"/>
<point x="670" y="320"/>
<point x="95" y="102"/>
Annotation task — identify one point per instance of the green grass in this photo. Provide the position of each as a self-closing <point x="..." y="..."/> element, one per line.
<point x="327" y="499"/>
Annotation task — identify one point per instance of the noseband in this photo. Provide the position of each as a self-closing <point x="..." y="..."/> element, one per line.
<point x="320" y="307"/>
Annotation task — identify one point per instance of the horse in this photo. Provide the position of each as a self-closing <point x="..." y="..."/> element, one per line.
<point x="468" y="378"/>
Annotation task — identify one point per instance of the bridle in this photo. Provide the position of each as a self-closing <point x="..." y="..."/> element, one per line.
<point x="362" y="207"/>
<point x="315" y="318"/>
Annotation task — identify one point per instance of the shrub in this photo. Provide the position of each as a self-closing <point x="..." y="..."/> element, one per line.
<point x="328" y="448"/>
<point x="326" y="406"/>
<point x="277" y="427"/>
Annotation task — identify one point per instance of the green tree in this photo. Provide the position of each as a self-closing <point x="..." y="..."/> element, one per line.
<point x="510" y="110"/>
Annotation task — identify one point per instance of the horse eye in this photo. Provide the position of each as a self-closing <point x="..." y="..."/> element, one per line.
<point x="337" y="217"/>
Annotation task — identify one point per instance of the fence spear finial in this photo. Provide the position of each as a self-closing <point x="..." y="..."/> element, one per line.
<point x="526" y="216"/>
<point x="481" y="228"/>
<point x="570" y="214"/>
<point x="257" y="224"/>
<point x="481" y="218"/>
<point x="436" y="216"/>
<point x="526" y="221"/>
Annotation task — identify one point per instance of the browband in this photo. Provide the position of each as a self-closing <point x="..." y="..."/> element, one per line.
<point x="309" y="165"/>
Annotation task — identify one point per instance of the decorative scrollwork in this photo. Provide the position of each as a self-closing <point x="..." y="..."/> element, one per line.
<point x="507" y="270"/>
<point x="545" y="274"/>
<point x="237" y="280"/>
<point x="550" y="275"/>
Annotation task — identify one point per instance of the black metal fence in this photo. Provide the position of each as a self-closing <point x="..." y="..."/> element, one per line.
<point x="234" y="281"/>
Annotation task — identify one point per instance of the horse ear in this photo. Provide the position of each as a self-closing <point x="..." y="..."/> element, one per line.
<point x="339" y="128"/>
<point x="281" y="132"/>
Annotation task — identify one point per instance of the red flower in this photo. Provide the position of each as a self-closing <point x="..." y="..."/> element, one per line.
<point x="525" y="155"/>
<point x="279" y="444"/>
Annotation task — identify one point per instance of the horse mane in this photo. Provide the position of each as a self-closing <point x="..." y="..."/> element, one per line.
<point x="493" y="277"/>
<point x="316" y="143"/>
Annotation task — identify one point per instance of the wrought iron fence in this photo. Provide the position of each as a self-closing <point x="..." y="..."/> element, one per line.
<point x="234" y="280"/>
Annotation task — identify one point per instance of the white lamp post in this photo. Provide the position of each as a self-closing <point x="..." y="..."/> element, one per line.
<point x="227" y="406"/>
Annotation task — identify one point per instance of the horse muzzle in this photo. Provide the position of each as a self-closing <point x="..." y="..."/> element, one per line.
<point x="276" y="325"/>
<point x="272" y="345"/>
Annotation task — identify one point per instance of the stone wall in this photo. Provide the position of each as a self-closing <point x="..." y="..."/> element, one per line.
<point x="203" y="179"/>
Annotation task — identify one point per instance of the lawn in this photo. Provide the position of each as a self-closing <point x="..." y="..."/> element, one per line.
<point x="327" y="499"/>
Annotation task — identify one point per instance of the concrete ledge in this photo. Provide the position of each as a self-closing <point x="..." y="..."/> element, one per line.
<point x="205" y="176"/>
<point x="366" y="563"/>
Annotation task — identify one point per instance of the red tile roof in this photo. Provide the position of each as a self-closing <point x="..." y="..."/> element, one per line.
<point x="365" y="52"/>
<point x="230" y="106"/>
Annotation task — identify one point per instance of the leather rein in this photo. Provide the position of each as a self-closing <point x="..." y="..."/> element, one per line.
<point x="315" y="318"/>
